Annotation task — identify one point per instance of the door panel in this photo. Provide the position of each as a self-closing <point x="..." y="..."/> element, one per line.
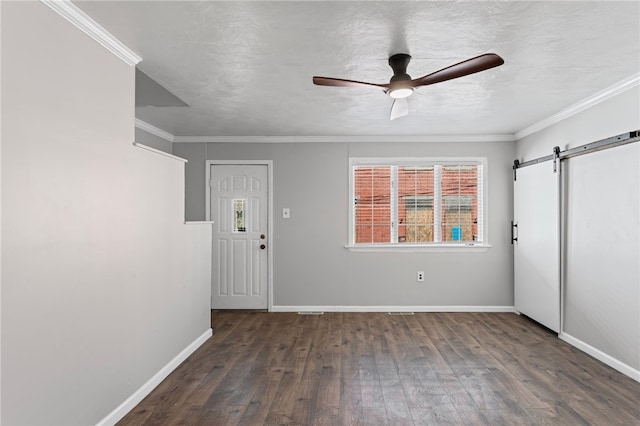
<point x="240" y="212"/>
<point x="537" y="249"/>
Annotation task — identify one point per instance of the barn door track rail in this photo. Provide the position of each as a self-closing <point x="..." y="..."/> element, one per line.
<point x="612" y="142"/>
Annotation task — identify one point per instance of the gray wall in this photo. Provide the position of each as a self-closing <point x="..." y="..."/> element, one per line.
<point x="602" y="256"/>
<point x="311" y="265"/>
<point x="153" y="141"/>
<point x="102" y="284"/>
<point x="194" y="201"/>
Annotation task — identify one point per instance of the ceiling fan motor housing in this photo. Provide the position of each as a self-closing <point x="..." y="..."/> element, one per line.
<point x="398" y="64"/>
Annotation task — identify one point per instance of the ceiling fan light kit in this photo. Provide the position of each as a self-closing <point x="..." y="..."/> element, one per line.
<point x="400" y="92"/>
<point x="401" y="86"/>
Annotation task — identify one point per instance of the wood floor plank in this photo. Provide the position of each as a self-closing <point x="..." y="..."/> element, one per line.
<point x="511" y="391"/>
<point x="564" y="366"/>
<point x="350" y="408"/>
<point x="370" y="381"/>
<point x="394" y="398"/>
<point x="232" y="415"/>
<point x="222" y="391"/>
<point x="329" y="389"/>
<point x="371" y="390"/>
<point x="139" y="415"/>
<point x="375" y="416"/>
<point x="264" y="368"/>
<point x="506" y="354"/>
<point x="258" y="409"/>
<point x="389" y="358"/>
<point x="427" y="360"/>
<point x="304" y="408"/>
<point x="326" y="416"/>
<point x="264" y="353"/>
<point x="443" y="413"/>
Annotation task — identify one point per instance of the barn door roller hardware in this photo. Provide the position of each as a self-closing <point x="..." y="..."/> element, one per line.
<point x="612" y="142"/>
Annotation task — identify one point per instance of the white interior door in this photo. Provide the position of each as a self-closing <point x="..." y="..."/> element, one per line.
<point x="239" y="209"/>
<point x="537" y="249"/>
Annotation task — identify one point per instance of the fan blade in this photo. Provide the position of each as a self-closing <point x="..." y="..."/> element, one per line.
<point x="400" y="108"/>
<point x="470" y="66"/>
<point x="339" y="82"/>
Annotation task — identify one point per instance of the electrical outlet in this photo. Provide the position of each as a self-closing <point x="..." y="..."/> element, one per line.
<point x="420" y="276"/>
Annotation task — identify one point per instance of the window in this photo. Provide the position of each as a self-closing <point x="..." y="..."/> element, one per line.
<point x="239" y="216"/>
<point x="417" y="202"/>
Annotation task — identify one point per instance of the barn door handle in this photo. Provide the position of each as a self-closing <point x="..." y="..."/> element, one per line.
<point x="514" y="233"/>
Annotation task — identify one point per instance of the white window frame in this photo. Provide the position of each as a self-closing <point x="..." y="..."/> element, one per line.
<point x="481" y="245"/>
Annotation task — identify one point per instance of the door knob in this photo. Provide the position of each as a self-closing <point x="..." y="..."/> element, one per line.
<point x="262" y="236"/>
<point x="262" y="246"/>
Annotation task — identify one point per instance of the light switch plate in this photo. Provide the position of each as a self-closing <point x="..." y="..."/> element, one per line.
<point x="286" y="213"/>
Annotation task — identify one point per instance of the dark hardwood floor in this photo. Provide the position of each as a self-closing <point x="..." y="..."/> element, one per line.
<point x="377" y="369"/>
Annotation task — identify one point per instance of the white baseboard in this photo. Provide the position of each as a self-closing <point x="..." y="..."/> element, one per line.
<point x="393" y="309"/>
<point x="117" y="414"/>
<point x="601" y="356"/>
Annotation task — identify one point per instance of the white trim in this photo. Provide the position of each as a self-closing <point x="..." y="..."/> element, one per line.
<point x="341" y="308"/>
<point x="207" y="190"/>
<point x="561" y="244"/>
<point x="601" y="356"/>
<point x="270" y="236"/>
<point x="150" y="128"/>
<point x="416" y="161"/>
<point x="122" y="410"/>
<point x="346" y="139"/>
<point x="414" y="248"/>
<point x="157" y="151"/>
<point x="438" y="201"/>
<point x="1" y="221"/>
<point x="393" y="205"/>
<point x="198" y="222"/>
<point x="86" y="24"/>
<point x="603" y="95"/>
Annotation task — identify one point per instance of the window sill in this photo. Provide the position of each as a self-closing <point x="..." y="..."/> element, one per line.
<point x="443" y="248"/>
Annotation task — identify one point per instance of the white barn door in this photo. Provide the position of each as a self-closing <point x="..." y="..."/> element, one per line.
<point x="537" y="248"/>
<point x="239" y="198"/>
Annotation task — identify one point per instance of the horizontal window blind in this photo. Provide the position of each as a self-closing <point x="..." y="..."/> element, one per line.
<point x="424" y="202"/>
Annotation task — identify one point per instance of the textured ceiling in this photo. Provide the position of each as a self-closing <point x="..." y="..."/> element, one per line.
<point x="245" y="68"/>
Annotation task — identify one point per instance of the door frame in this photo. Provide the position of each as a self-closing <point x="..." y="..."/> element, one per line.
<point x="269" y="164"/>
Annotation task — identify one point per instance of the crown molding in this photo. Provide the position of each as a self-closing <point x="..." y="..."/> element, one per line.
<point x="345" y="139"/>
<point x="616" y="89"/>
<point x="83" y="22"/>
<point x="149" y="128"/>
